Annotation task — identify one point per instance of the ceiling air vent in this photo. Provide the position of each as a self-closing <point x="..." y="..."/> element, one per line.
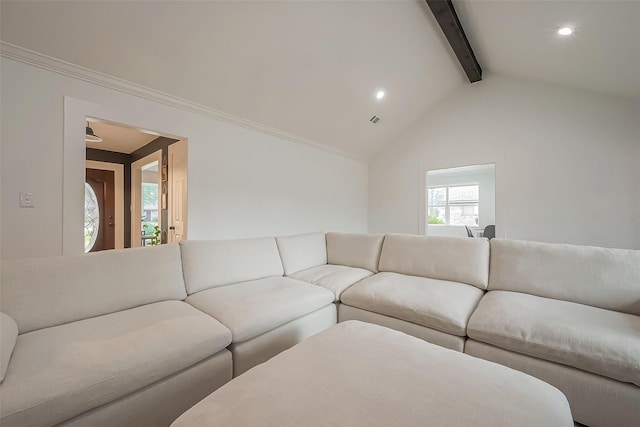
<point x="374" y="120"/>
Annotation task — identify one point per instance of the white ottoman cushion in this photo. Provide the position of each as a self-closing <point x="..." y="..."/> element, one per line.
<point x="358" y="374"/>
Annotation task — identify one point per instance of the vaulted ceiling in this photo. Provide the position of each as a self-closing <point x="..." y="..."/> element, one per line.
<point x="519" y="38"/>
<point x="312" y="68"/>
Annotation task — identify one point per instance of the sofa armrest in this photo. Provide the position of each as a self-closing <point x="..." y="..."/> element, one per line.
<point x="8" y="337"/>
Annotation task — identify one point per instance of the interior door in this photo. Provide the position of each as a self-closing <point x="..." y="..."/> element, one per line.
<point x="103" y="184"/>
<point x="177" y="191"/>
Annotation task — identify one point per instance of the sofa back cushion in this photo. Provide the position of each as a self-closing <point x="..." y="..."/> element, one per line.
<point x="42" y="292"/>
<point x="600" y="277"/>
<point x="302" y="251"/>
<point x="354" y="250"/>
<point x="457" y="259"/>
<point x="211" y="263"/>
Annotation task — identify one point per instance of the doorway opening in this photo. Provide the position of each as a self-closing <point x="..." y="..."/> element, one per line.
<point x="128" y="193"/>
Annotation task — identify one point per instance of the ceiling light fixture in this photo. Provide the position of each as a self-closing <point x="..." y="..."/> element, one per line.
<point x="380" y="94"/>
<point x="565" y="31"/>
<point x="89" y="136"/>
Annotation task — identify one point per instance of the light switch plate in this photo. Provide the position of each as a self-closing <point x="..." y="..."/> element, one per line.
<point x="26" y="200"/>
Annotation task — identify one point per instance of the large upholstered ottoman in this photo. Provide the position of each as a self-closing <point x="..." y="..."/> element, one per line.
<point x="359" y="374"/>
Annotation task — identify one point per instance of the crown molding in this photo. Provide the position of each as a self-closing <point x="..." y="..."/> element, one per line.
<point x="49" y="63"/>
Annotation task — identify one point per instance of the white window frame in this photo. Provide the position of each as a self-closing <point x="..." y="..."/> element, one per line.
<point x="447" y="205"/>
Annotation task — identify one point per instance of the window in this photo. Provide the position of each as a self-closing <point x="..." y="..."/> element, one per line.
<point x="453" y="205"/>
<point x="149" y="207"/>
<point x="91" y="217"/>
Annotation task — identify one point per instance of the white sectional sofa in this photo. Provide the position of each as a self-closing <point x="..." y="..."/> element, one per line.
<point x="135" y="337"/>
<point x="106" y="339"/>
<point x="569" y="315"/>
<point x="240" y="283"/>
<point x="427" y="287"/>
<point x="334" y="261"/>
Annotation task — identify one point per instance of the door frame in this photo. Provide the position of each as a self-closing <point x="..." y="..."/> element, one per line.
<point x="118" y="171"/>
<point x="153" y="117"/>
<point x="136" y="194"/>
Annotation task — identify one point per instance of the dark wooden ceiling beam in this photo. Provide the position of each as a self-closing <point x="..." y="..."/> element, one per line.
<point x="448" y="20"/>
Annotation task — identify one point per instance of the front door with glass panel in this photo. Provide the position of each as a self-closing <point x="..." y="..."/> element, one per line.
<point x="99" y="210"/>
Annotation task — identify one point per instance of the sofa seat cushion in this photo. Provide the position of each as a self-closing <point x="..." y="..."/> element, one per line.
<point x="252" y="308"/>
<point x="336" y="278"/>
<point x="599" y="341"/>
<point x="63" y="371"/>
<point x="437" y="304"/>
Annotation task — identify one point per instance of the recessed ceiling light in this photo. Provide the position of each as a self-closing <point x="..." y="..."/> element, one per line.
<point x="380" y="94"/>
<point x="565" y="31"/>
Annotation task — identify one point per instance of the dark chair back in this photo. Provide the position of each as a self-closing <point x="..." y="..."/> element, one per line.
<point x="469" y="232"/>
<point x="489" y="232"/>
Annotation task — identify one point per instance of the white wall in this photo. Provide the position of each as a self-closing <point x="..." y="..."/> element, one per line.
<point x="567" y="162"/>
<point x="241" y="182"/>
